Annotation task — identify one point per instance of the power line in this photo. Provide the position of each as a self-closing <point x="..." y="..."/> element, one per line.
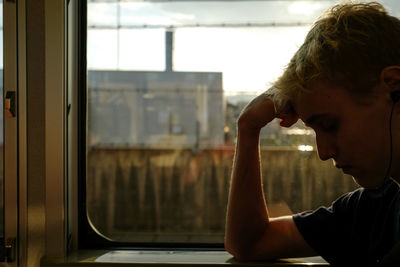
<point x="170" y="1"/>
<point x="201" y="25"/>
<point x="190" y="90"/>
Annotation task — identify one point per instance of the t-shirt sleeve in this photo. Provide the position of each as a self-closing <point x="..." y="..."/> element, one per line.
<point x="326" y="230"/>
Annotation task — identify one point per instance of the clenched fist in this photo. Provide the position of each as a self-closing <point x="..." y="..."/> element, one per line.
<point x="262" y="110"/>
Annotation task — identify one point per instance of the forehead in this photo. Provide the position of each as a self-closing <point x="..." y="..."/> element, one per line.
<point x="322" y="99"/>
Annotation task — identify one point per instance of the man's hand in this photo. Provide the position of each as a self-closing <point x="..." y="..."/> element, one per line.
<point x="260" y="111"/>
<point x="250" y="233"/>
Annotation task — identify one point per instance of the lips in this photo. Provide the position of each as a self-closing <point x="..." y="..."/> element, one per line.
<point x="341" y="166"/>
<point x="345" y="168"/>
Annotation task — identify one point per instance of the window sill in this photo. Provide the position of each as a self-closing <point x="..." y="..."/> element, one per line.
<point x="171" y="258"/>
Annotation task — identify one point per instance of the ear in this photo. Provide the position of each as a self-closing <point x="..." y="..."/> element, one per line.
<point x="390" y="77"/>
<point x="288" y="120"/>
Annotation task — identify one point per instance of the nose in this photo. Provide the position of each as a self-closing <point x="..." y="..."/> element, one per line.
<point x="326" y="146"/>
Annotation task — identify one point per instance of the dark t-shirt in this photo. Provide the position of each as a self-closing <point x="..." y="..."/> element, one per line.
<point x="358" y="229"/>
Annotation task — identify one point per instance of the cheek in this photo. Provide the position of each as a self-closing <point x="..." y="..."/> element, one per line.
<point x="366" y="141"/>
<point x="376" y="133"/>
<point x="362" y="138"/>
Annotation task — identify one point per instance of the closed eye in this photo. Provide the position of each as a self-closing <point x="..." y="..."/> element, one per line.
<point x="328" y="125"/>
<point x="323" y="122"/>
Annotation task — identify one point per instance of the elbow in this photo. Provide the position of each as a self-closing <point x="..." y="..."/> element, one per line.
<point x="245" y="245"/>
<point x="229" y="249"/>
<point x="236" y="253"/>
<point x="241" y="253"/>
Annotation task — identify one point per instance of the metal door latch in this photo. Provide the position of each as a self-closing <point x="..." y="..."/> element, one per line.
<point x="10" y="250"/>
<point x="9" y="104"/>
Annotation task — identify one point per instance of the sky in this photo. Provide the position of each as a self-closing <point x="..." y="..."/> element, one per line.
<point x="250" y="58"/>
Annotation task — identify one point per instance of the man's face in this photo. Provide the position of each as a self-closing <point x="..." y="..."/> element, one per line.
<point x="355" y="134"/>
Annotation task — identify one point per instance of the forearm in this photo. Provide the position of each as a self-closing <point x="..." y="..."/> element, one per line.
<point x="247" y="215"/>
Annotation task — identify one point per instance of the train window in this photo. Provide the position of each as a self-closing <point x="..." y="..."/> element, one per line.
<point x="166" y="81"/>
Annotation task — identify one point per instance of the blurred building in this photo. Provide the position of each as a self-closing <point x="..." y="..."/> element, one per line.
<point x="155" y="108"/>
<point x="150" y="108"/>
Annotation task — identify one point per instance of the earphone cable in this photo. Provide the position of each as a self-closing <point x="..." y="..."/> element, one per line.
<point x="391" y="144"/>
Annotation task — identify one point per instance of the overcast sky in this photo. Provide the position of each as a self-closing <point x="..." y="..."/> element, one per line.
<point x="191" y="12"/>
<point x="206" y="12"/>
<point x="250" y="58"/>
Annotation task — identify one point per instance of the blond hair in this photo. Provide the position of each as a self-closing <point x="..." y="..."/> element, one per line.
<point x="348" y="45"/>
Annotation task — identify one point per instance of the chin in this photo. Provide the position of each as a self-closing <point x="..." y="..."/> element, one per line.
<point x="369" y="183"/>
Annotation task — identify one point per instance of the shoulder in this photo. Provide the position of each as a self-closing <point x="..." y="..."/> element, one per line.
<point x="348" y="200"/>
<point x="343" y="204"/>
<point x="390" y="191"/>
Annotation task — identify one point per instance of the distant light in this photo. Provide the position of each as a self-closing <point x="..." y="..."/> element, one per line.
<point x="297" y="131"/>
<point x="226" y="129"/>
<point x="305" y="148"/>
<point x="148" y="96"/>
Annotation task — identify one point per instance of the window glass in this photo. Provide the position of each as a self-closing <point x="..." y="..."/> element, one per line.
<point x="166" y="83"/>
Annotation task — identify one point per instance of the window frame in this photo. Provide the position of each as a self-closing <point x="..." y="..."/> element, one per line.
<point x="11" y="76"/>
<point x="87" y="236"/>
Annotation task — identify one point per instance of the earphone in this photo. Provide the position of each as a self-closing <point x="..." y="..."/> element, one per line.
<point x="395" y="96"/>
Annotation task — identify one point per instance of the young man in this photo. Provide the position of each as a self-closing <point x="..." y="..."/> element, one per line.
<point x="344" y="83"/>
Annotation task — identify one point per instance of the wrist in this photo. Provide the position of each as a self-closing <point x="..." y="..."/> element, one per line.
<point x="247" y="130"/>
<point x="246" y="126"/>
